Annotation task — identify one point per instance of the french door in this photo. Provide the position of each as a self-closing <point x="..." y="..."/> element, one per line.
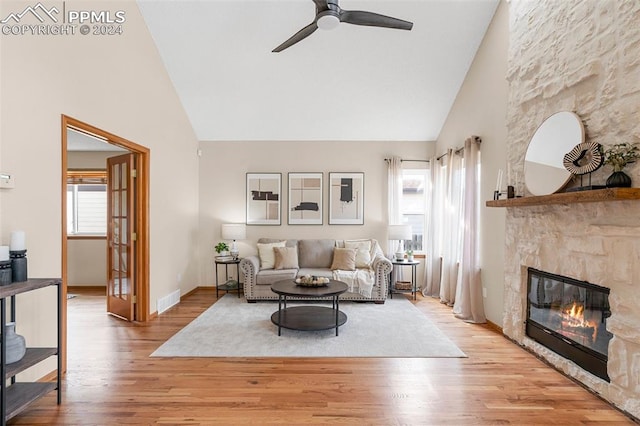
<point x="121" y="236"/>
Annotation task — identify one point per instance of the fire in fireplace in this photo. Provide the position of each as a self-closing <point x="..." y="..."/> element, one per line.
<point x="570" y="317"/>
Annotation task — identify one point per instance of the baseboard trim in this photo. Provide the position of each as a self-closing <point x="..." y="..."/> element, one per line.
<point x="50" y="377"/>
<point x="495" y="326"/>
<point x="154" y="314"/>
<point x="71" y="288"/>
<point x="199" y="288"/>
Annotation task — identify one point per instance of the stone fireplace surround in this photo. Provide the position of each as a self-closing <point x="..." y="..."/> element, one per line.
<point x="596" y="242"/>
<point x="579" y="56"/>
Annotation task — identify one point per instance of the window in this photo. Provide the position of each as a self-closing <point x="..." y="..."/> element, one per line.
<point x="87" y="202"/>
<point x="415" y="183"/>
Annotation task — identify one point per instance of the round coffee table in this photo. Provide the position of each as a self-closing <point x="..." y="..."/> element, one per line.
<point x="308" y="317"/>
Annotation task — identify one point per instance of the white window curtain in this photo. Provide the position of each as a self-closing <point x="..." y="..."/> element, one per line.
<point x="432" y="243"/>
<point x="394" y="179"/>
<point x="468" y="304"/>
<point x="452" y="267"/>
<point x="451" y="224"/>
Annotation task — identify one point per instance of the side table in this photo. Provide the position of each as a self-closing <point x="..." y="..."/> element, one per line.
<point x="399" y="264"/>
<point x="229" y="284"/>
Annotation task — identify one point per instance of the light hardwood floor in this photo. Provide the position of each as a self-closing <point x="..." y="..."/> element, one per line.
<point x="112" y="380"/>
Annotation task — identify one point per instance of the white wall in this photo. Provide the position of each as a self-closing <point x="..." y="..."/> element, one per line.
<point x="116" y="83"/>
<point x="87" y="262"/>
<point x="480" y="109"/>
<point x="223" y="169"/>
<point x="89" y="159"/>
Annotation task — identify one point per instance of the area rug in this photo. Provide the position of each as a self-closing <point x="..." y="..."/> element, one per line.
<point x="234" y="328"/>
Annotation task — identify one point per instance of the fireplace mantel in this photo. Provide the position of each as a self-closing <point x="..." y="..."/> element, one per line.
<point x="608" y="194"/>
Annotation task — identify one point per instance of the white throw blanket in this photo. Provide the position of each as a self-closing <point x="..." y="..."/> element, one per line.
<point x="360" y="281"/>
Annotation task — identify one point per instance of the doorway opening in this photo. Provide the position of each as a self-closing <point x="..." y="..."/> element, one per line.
<point x="137" y="283"/>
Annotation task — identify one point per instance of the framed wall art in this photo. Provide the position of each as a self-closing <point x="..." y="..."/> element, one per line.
<point x="263" y="198"/>
<point x="305" y="199"/>
<point x="346" y="198"/>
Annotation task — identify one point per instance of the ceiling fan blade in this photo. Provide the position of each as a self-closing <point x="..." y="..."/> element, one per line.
<point x="371" y="19"/>
<point x="300" y="35"/>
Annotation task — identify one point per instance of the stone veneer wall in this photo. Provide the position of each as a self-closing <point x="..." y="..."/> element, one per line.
<point x="581" y="56"/>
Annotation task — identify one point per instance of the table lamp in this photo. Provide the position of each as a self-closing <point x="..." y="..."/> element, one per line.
<point x="234" y="231"/>
<point x="400" y="233"/>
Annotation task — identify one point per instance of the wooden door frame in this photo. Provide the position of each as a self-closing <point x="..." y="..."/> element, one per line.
<point x="141" y="221"/>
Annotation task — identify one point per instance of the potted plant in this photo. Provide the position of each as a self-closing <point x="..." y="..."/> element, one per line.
<point x="410" y="255"/>
<point x="618" y="156"/>
<point x="409" y="251"/>
<point x="222" y="249"/>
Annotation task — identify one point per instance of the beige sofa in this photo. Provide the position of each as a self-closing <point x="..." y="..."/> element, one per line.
<point x="368" y="282"/>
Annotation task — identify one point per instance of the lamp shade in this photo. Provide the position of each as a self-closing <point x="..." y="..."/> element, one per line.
<point x="400" y="232"/>
<point x="234" y="231"/>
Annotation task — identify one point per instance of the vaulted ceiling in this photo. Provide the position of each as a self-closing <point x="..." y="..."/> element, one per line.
<point x="350" y="83"/>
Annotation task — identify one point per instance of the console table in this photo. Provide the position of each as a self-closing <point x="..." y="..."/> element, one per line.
<point x="15" y="397"/>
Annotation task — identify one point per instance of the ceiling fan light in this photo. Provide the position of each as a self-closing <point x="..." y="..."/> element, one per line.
<point x="328" y="21"/>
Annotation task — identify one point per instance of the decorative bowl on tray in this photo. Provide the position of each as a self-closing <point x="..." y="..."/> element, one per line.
<point x="311" y="281"/>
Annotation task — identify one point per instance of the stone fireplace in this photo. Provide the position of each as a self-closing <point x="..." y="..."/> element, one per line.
<point x="594" y="242"/>
<point x="579" y="56"/>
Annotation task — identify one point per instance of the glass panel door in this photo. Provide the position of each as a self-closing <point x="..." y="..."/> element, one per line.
<point x="120" y="287"/>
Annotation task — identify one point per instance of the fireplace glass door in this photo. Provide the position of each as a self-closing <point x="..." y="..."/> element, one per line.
<point x="573" y="311"/>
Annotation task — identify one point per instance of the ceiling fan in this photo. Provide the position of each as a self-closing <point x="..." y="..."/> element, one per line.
<point x="329" y="15"/>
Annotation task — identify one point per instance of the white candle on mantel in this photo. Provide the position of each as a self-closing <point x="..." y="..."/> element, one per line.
<point x="17" y="241"/>
<point x="4" y="253"/>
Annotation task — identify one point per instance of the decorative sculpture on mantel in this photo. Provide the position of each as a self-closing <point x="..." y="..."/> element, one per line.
<point x="584" y="158"/>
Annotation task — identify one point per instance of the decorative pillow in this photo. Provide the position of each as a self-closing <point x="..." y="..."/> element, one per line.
<point x="344" y="259"/>
<point x="315" y="253"/>
<point x="267" y="255"/>
<point x="363" y="253"/>
<point x="286" y="258"/>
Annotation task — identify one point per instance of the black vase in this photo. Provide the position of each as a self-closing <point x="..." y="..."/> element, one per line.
<point x="619" y="180"/>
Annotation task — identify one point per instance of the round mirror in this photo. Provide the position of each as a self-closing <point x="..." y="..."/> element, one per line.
<point x="544" y="172"/>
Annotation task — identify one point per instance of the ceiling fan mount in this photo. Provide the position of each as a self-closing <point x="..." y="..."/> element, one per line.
<point x="328" y="19"/>
<point x="329" y="15"/>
